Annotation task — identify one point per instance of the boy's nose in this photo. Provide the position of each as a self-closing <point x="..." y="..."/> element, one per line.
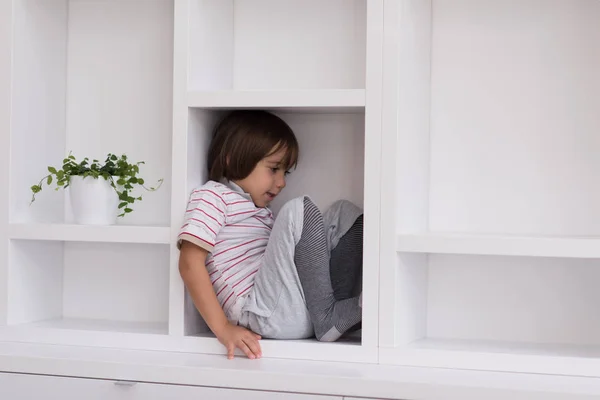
<point x="281" y="183"/>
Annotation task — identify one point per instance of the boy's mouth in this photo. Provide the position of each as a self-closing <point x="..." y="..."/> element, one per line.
<point x="271" y="195"/>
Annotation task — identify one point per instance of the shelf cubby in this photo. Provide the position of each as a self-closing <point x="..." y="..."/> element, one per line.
<point x="98" y="287"/>
<point x="489" y="233"/>
<point x="512" y="313"/>
<point x="82" y="88"/>
<point x="332" y="142"/>
<point x="274" y="45"/>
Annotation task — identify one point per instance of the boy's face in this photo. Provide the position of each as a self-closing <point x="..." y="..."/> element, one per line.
<point x="267" y="179"/>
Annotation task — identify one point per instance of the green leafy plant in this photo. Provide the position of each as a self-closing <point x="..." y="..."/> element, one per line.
<point x="127" y="175"/>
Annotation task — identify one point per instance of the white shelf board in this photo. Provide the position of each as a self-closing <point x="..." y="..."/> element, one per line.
<point x="559" y="359"/>
<point x="347" y="349"/>
<point x="154" y="337"/>
<point x="89" y="233"/>
<point x="348" y="100"/>
<point x="541" y="246"/>
<point x="80" y="324"/>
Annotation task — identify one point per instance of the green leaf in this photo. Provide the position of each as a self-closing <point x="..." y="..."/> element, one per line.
<point x="49" y="180"/>
<point x="128" y="210"/>
<point x="36" y="188"/>
<point x="123" y="204"/>
<point x="113" y="157"/>
<point x="52" y="170"/>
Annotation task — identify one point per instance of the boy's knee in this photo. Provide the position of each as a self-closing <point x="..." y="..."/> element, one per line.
<point x="310" y="208"/>
<point x="344" y="205"/>
<point x="291" y="207"/>
<point x="298" y="204"/>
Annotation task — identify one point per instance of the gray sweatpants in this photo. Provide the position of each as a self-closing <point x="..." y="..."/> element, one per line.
<point x="276" y="308"/>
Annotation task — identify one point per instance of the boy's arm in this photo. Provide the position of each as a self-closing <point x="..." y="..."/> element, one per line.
<point x="193" y="271"/>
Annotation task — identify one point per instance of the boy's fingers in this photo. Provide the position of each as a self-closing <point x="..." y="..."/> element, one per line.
<point x="246" y="350"/>
<point x="230" y="350"/>
<point x="254" y="346"/>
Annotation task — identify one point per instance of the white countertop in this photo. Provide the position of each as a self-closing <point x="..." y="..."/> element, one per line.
<point x="289" y="375"/>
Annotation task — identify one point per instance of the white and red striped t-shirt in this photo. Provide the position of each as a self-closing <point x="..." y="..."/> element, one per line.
<point x="223" y="220"/>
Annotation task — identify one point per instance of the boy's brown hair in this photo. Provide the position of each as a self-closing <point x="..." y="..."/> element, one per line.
<point x="243" y="138"/>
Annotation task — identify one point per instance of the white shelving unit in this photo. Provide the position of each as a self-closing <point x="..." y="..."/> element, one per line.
<point x="466" y="129"/>
<point x="150" y="79"/>
<point x="489" y="241"/>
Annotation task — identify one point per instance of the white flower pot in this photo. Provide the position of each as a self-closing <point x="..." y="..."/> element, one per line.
<point x="93" y="201"/>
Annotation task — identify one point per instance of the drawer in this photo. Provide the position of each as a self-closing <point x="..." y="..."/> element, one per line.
<point x="44" y="387"/>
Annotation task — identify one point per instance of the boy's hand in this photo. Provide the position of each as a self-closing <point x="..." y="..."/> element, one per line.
<point x="232" y="336"/>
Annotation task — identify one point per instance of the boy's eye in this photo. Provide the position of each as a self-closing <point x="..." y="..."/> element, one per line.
<point x="275" y="169"/>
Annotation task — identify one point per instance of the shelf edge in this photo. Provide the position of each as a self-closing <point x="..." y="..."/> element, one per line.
<point x="499" y="245"/>
<point x="85" y="233"/>
<point x="343" y="98"/>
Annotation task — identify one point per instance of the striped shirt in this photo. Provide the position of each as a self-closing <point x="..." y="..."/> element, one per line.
<point x="224" y="221"/>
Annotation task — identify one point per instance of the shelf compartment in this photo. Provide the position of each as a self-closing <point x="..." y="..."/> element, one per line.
<point x="565" y="247"/>
<point x="502" y="313"/>
<point x="272" y="44"/>
<point x="330" y="141"/>
<point x="111" y="287"/>
<point x="284" y="100"/>
<point x="88" y="233"/>
<point x="84" y="102"/>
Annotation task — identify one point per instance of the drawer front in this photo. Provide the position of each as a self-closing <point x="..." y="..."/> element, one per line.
<point x="43" y="387"/>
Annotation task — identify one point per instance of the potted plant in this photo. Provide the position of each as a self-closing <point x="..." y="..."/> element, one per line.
<point x="99" y="192"/>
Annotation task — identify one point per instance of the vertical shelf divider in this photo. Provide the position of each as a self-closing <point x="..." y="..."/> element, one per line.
<point x="5" y="123"/>
<point x="373" y="184"/>
<point x="179" y="160"/>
